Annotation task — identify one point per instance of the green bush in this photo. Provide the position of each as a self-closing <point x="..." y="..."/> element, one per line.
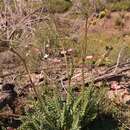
<point x="74" y="113"/>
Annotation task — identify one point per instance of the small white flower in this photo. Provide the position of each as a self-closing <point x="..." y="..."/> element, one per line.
<point x="46" y="56"/>
<point x="47" y="45"/>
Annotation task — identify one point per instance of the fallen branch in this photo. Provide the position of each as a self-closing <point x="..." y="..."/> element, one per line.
<point x="119" y="66"/>
<point x="107" y="75"/>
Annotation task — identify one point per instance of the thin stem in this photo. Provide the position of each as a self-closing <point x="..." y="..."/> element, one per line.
<point x="28" y="72"/>
<point x="84" y="52"/>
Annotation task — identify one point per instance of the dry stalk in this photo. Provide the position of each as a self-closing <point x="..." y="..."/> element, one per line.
<point x="62" y="84"/>
<point x="84" y="52"/>
<point x="118" y="60"/>
<point x="28" y="72"/>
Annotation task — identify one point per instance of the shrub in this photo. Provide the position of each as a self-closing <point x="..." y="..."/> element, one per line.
<point x="74" y="113"/>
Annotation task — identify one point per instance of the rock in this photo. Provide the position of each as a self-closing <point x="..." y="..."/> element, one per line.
<point x="8" y="96"/>
<point x="4" y="45"/>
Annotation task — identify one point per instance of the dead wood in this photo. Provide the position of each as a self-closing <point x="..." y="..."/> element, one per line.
<point x="107" y="75"/>
<point x="111" y="75"/>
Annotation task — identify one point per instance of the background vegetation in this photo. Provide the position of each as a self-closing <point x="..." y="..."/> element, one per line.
<point x="36" y="33"/>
